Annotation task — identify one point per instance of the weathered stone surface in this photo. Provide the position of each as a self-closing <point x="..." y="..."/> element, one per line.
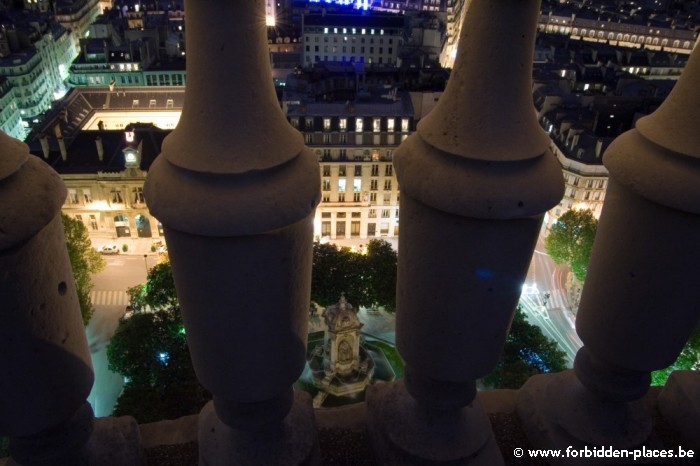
<point x="170" y="432"/>
<point x="291" y="443"/>
<point x="543" y="413"/>
<point x="116" y="441"/>
<point x="679" y="403"/>
<point x="403" y="432"/>
<point x="47" y="371"/>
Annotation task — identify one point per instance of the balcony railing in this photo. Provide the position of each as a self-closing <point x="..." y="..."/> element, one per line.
<point x="478" y="174"/>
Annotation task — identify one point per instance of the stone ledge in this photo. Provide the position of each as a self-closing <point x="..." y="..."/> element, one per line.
<point x="344" y="440"/>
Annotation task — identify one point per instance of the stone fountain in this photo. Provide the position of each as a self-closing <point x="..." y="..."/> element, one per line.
<point x="341" y="366"/>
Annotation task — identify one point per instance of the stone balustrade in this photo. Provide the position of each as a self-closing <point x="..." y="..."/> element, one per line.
<point x="236" y="189"/>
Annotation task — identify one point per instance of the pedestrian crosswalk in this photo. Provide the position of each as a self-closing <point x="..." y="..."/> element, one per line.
<point x="109" y="298"/>
<point x="550" y="299"/>
<point x="554" y="299"/>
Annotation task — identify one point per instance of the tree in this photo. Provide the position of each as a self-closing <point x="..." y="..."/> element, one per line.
<point x="334" y="271"/>
<point x="84" y="260"/>
<point x="527" y="352"/>
<point x="160" y="288"/>
<point x="688" y="359"/>
<point x="365" y="279"/>
<point x="570" y="241"/>
<point x="381" y="262"/>
<point x="150" y="350"/>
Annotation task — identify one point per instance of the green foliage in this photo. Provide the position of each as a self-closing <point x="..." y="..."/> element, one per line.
<point x="336" y="270"/>
<point x="527" y="352"/>
<point x="380" y="264"/>
<point x="137" y="297"/>
<point x="570" y="241"/>
<point x="158" y="292"/>
<point x="85" y="261"/>
<point x="4" y="447"/>
<point x="160" y="288"/>
<point x="150" y="350"/>
<point x="366" y="279"/>
<point x="689" y="359"/>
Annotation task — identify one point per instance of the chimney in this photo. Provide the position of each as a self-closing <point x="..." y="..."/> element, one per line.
<point x="45" y="145"/>
<point x="100" y="148"/>
<point x="62" y="146"/>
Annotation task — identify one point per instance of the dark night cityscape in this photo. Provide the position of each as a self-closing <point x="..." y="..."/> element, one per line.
<point x="368" y="232"/>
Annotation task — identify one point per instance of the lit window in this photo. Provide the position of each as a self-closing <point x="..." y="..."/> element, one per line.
<point x="325" y="30"/>
<point x="326" y="124"/>
<point x="341" y="185"/>
<point x="390" y="124"/>
<point x="116" y="196"/>
<point x="404" y="125"/>
<point x="137" y="195"/>
<point x="72" y="196"/>
<point x="343" y="124"/>
<point x="376" y="125"/>
<point x="358" y="125"/>
<point x="356" y="185"/>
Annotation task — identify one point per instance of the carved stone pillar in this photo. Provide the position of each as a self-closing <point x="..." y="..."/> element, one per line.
<point x="475" y="181"/>
<point x="46" y="368"/>
<point x="640" y="300"/>
<point x="235" y="189"/>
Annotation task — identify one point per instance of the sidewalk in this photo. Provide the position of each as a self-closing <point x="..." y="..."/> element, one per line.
<point x="357" y="243"/>
<point x="135" y="246"/>
<point x="141" y="246"/>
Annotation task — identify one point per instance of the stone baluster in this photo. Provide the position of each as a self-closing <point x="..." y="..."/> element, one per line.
<point x="640" y="300"/>
<point x="476" y="179"/>
<point x="235" y="189"/>
<point x="46" y="368"/>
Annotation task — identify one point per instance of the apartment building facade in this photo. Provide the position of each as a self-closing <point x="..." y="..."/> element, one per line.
<point x="366" y="39"/>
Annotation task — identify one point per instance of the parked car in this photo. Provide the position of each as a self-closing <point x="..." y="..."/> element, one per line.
<point x="109" y="249"/>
